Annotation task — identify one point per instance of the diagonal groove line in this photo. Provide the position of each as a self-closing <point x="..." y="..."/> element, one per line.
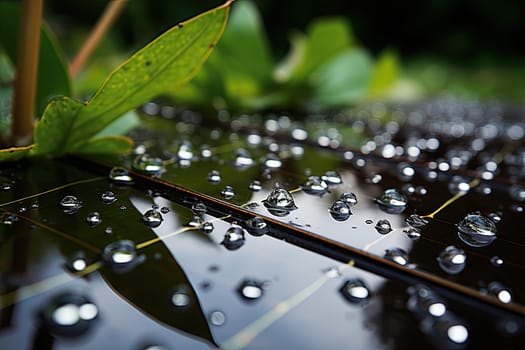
<point x="319" y="244"/>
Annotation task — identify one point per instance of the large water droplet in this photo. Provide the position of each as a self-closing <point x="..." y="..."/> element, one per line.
<point x="397" y="255"/>
<point x="452" y="260"/>
<point x="214" y="177"/>
<point x="340" y="210"/>
<point x="392" y="201"/>
<point x="332" y="178"/>
<point x="355" y="291"/>
<point x="148" y="164"/>
<point x="93" y="219"/>
<point x="70" y="204"/>
<point x="121" y="256"/>
<point x="69" y="315"/>
<point x="383" y="226"/>
<point x="256" y="226"/>
<point x="152" y="218"/>
<point x="108" y="197"/>
<point x="315" y="185"/>
<point x="228" y="192"/>
<point x="234" y="237"/>
<point x="251" y="290"/>
<point x="349" y="197"/>
<point x="120" y="175"/>
<point x="477" y="230"/>
<point x="279" y="202"/>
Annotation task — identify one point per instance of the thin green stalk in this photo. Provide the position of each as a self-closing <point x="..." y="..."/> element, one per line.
<point x="26" y="71"/>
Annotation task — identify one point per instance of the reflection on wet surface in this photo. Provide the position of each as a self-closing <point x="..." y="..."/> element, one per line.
<point x="189" y="258"/>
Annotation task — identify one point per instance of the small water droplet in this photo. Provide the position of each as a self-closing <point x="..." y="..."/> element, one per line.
<point x="185" y="151"/>
<point x="355" y="291"/>
<point x="93" y="219"/>
<point x="349" y="198"/>
<point x="517" y="193"/>
<point x="164" y="210"/>
<point x="180" y="298"/>
<point x="148" y="164"/>
<point x="196" y="221"/>
<point x="340" y="210"/>
<point x="315" y="185"/>
<point x="374" y="179"/>
<point x="501" y="292"/>
<point x="121" y="256"/>
<point x="214" y="177"/>
<point x="272" y="161"/>
<point x="452" y="260"/>
<point x="69" y="314"/>
<point x="152" y="218"/>
<point x="255" y="186"/>
<point x="206" y="152"/>
<point x="256" y="226"/>
<point x="392" y="202"/>
<point x="243" y="159"/>
<point x="413" y="233"/>
<point x="251" y="290"/>
<point x="383" y="226"/>
<point x="496" y="216"/>
<point x="496" y="261"/>
<point x="9" y="219"/>
<point x="77" y="262"/>
<point x="332" y="178"/>
<point x="217" y="318"/>
<point x="369" y="222"/>
<point x="207" y="227"/>
<point x="70" y="204"/>
<point x="446" y="330"/>
<point x="199" y="208"/>
<point x="6" y="184"/>
<point x="108" y="231"/>
<point x="228" y="192"/>
<point x="121" y="176"/>
<point x="397" y="255"/>
<point x="108" y="197"/>
<point x="424" y="302"/>
<point x="234" y="237"/>
<point x="332" y="272"/>
<point x="415" y="220"/>
<point x="405" y="171"/>
<point x="459" y="184"/>
<point x="279" y="202"/>
<point x="477" y="230"/>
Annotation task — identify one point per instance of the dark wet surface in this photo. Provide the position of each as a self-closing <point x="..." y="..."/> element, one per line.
<point x="184" y="290"/>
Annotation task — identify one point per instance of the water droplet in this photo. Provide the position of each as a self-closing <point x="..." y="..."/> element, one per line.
<point x="413" y="233"/>
<point x="180" y="298"/>
<point x="452" y="260"/>
<point x="251" y="290"/>
<point x="121" y="256"/>
<point x="243" y="159"/>
<point x="148" y="164"/>
<point x="9" y="219"/>
<point x="459" y="184"/>
<point x="446" y="330"/>
<point x="185" y="151"/>
<point x="228" y="192"/>
<point x="164" y="210"/>
<point x="121" y="176"/>
<point x="256" y="226"/>
<point x="279" y="202"/>
<point x="424" y="302"/>
<point x="355" y="291"/>
<point x="496" y="261"/>
<point x="405" y="171"/>
<point x="501" y="292"/>
<point x="496" y="216"/>
<point x="315" y="185"/>
<point x="383" y="226"/>
<point x="369" y="222"/>
<point x="152" y="218"/>
<point x="272" y="161"/>
<point x="70" y="204"/>
<point x="349" y="198"/>
<point x="93" y="219"/>
<point x="214" y="177"/>
<point x="477" y="230"/>
<point x="77" y="262"/>
<point x="415" y="220"/>
<point x="207" y="227"/>
<point x="397" y="255"/>
<point x="6" y="184"/>
<point x="374" y="179"/>
<point x="108" y="231"/>
<point x="234" y="237"/>
<point x="332" y="272"/>
<point x="69" y="315"/>
<point x="217" y="318"/>
<point x="255" y="186"/>
<point x="392" y="202"/>
<point x="332" y="177"/>
<point x="199" y="208"/>
<point x="108" y="197"/>
<point x="340" y="210"/>
<point x="196" y="221"/>
<point x="517" y="193"/>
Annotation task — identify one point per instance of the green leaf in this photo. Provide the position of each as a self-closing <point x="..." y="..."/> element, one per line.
<point x="172" y="59"/>
<point x="344" y="79"/>
<point x="53" y="73"/>
<point x="325" y="38"/>
<point x="384" y="75"/>
<point x="113" y="144"/>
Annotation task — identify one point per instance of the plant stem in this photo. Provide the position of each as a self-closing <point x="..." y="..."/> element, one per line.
<point x="111" y="12"/>
<point x="26" y="71"/>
